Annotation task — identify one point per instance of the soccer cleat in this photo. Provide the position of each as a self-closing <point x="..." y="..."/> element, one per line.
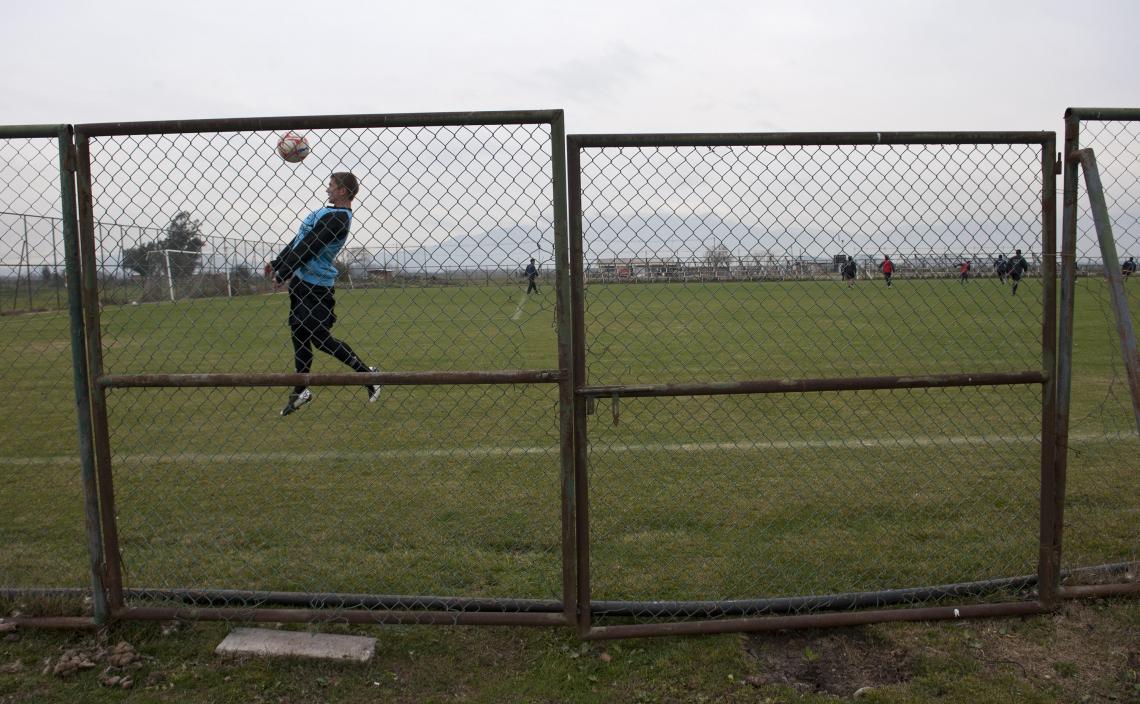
<point x="373" y="391"/>
<point x="296" y="401"/>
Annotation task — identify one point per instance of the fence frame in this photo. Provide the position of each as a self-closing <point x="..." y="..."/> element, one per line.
<point x="575" y="395"/>
<point x="585" y="395"/>
<point x="1074" y="159"/>
<point x="100" y="382"/>
<point x="63" y="135"/>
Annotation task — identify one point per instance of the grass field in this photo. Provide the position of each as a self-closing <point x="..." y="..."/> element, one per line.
<point x="455" y="490"/>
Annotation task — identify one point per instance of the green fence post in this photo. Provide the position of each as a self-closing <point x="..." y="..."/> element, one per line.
<point x="79" y="368"/>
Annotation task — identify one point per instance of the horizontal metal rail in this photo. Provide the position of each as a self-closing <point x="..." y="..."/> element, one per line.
<point x="50" y="622"/>
<point x="30" y="131"/>
<point x="751" y="139"/>
<point x="454" y="618"/>
<point x="1099" y="591"/>
<point x="129" y="381"/>
<point x="656" y="609"/>
<point x="784" y="386"/>
<point x="620" y="608"/>
<point x="338" y="600"/>
<point x="317" y="122"/>
<point x="1106" y="114"/>
<point x="777" y="623"/>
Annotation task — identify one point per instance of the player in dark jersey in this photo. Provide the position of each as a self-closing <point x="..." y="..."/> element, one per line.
<point x="1001" y="267"/>
<point x="1017" y="268"/>
<point x="850" y="271"/>
<point x="531" y="277"/>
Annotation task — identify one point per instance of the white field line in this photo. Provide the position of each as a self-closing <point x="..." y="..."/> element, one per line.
<point x="518" y="309"/>
<point x="737" y="446"/>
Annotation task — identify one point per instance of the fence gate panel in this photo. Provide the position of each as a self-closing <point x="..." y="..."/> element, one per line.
<point x="42" y="504"/>
<point x="806" y="382"/>
<point x="444" y="500"/>
<point x="1101" y="484"/>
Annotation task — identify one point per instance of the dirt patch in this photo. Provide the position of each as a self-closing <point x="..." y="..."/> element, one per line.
<point x="839" y="662"/>
<point x="1080" y="654"/>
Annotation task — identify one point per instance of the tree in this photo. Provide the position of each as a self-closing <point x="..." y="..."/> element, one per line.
<point x="138" y="260"/>
<point x="183" y="235"/>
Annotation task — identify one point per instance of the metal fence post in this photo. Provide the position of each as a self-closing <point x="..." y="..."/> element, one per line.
<point x="565" y="363"/>
<point x="111" y="565"/>
<point x="1052" y="491"/>
<point x="1068" y="281"/>
<point x="577" y="313"/>
<point x="67" y="169"/>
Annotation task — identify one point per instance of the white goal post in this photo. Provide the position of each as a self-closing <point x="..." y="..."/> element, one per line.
<point x="165" y="265"/>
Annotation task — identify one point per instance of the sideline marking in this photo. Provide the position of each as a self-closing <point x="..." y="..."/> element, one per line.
<point x="518" y="309"/>
<point x="738" y="446"/>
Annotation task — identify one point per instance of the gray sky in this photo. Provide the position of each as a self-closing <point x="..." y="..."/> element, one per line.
<point x="614" y="66"/>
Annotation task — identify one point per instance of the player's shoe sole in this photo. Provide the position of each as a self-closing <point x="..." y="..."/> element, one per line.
<point x="296" y="401"/>
<point x="373" y="391"/>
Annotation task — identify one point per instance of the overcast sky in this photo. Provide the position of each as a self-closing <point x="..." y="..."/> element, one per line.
<point x="613" y="65"/>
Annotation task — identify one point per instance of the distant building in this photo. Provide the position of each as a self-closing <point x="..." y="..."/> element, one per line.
<point x="638" y="267"/>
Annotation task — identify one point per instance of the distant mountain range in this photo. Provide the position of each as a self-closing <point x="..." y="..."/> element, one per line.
<point x="696" y="237"/>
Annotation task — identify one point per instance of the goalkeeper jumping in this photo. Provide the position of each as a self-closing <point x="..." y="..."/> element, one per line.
<point x="307" y="264"/>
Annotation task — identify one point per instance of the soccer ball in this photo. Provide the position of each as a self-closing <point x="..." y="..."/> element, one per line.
<point x="292" y="147"/>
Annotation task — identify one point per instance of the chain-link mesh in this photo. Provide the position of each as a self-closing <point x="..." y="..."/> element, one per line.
<point x="421" y="497"/>
<point x="769" y="496"/>
<point x="431" y="491"/>
<point x="41" y="499"/>
<point x="446" y="220"/>
<point x="727" y="263"/>
<point x="1104" y="450"/>
<point x="748" y="241"/>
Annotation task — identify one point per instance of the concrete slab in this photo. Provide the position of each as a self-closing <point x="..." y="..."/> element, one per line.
<point x="300" y="644"/>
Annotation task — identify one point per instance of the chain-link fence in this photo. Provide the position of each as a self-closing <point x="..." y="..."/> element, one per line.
<point x="42" y="501"/>
<point x="443" y="495"/>
<point x="1103" y="447"/>
<point x="811" y="374"/>
<point x="48" y="500"/>
<point x="847" y="264"/>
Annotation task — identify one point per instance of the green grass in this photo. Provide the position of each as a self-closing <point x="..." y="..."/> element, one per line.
<point x="36" y="295"/>
<point x="455" y="490"/>
<point x="1078" y="654"/>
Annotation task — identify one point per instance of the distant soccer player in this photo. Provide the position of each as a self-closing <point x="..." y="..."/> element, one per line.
<point x="888" y="269"/>
<point x="531" y="277"/>
<point x="1017" y="268"/>
<point x="1128" y="268"/>
<point x="1001" y="267"/>
<point x="849" y="271"/>
<point x="307" y="264"/>
<point x="964" y="272"/>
